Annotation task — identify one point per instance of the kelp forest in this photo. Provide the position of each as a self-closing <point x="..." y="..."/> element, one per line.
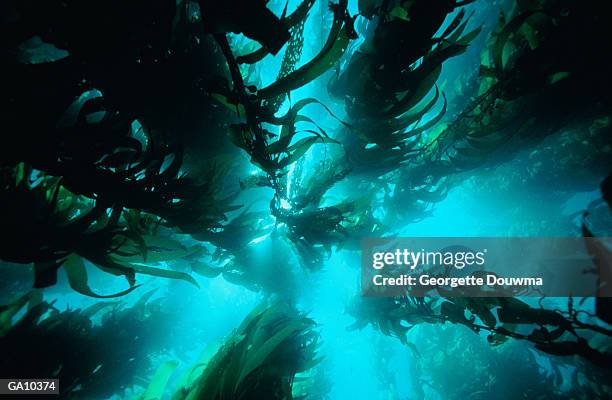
<point x="185" y="185"/>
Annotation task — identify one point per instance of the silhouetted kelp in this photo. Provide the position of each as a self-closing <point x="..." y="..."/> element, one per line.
<point x="539" y="76"/>
<point x="53" y="227"/>
<point x="523" y="373"/>
<point x="89" y="358"/>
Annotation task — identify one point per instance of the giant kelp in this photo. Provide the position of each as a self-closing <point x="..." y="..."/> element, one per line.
<point x="272" y="153"/>
<point x="87" y="357"/>
<point x="538" y="77"/>
<point x="385" y="90"/>
<point x="392" y="99"/>
<point x="53" y="227"/>
<point x="106" y="151"/>
<point x="554" y="332"/>
<point x="260" y="359"/>
<point x="484" y="378"/>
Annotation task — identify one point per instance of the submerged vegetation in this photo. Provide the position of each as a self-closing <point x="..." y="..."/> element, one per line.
<point x="87" y="356"/>
<point x="144" y="140"/>
<point x="259" y="361"/>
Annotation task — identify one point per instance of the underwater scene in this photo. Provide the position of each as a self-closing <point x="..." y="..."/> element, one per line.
<point x="186" y="185"/>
